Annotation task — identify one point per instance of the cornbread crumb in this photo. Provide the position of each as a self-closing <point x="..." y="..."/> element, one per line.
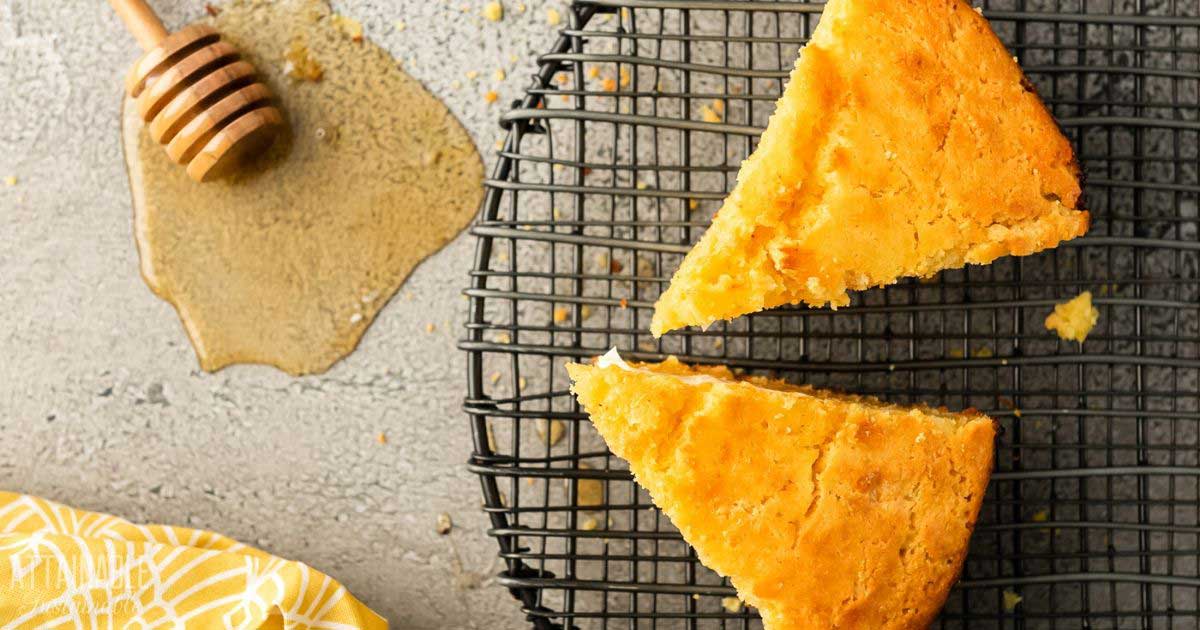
<point x="553" y="17"/>
<point x="693" y="204"/>
<point x="642" y="185"/>
<point x="588" y="524"/>
<point x="731" y="604"/>
<point x="709" y="115"/>
<point x="381" y="438"/>
<point x="589" y="492"/>
<point x="626" y="79"/>
<point x="551" y="431"/>
<point x="560" y="314"/>
<point x="521" y="7"/>
<point x="299" y="63"/>
<point x="718" y="105"/>
<point x="493" y="377"/>
<point x="399" y="25"/>
<point x="503" y="338"/>
<point x="593" y="72"/>
<point x="1011" y="599"/>
<point x="490" y="96"/>
<point x="493" y="11"/>
<point x="499" y="74"/>
<point x="1073" y="320"/>
<point x="1041" y="517"/>
<point x="624" y="303"/>
<point x="521" y="383"/>
<point x="456" y="84"/>
<point x="444" y="524"/>
<point x="472" y="74"/>
<point x="430" y="327"/>
<point x="608" y="84"/>
<point x="983" y="352"/>
<point x="349" y="27"/>
<point x="585" y="312"/>
<point x="10" y="181"/>
<point x="955" y="353"/>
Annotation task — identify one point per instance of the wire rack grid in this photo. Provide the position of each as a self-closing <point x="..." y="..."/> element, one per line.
<point x="616" y="158"/>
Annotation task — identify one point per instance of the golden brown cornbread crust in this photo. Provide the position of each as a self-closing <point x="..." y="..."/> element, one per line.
<point x="824" y="512"/>
<point x="905" y="143"/>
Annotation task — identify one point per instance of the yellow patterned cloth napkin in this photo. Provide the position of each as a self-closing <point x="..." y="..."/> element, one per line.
<point x="67" y="568"/>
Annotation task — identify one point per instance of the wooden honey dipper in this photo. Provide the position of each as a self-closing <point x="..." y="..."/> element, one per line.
<point x="200" y="99"/>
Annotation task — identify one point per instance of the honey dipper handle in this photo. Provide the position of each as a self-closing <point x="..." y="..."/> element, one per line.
<point x="141" y="21"/>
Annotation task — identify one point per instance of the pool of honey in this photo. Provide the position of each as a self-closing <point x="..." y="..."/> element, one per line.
<point x="288" y="262"/>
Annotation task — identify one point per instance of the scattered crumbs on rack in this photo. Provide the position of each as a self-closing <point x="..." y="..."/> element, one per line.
<point x="585" y="312"/>
<point x="494" y="377"/>
<point x="624" y="303"/>
<point x="513" y="58"/>
<point x="642" y="185"/>
<point x="556" y="213"/>
<point x="626" y="78"/>
<point x="529" y="481"/>
<point x="609" y="84"/>
<point x="1074" y="319"/>
<point x="693" y="204"/>
<point x="983" y="352"/>
<point x="955" y="353"/>
<point x="1041" y="516"/>
<point x="493" y="11"/>
<point x="499" y="145"/>
<point x="1011" y="599"/>
<point x="588" y="524"/>
<point x="521" y="383"/>
<point x="444" y="524"/>
<point x="381" y="438"/>
<point x="625" y="13"/>
<point x="499" y="74"/>
<point x="557" y="168"/>
<point x="593" y="72"/>
<point x="521" y="7"/>
<point x="399" y="25"/>
<point x="10" y="181"/>
<point x="718" y="105"/>
<point x="349" y="27"/>
<point x="430" y="327"/>
<point x="709" y="115"/>
<point x="561" y="78"/>
<point x="553" y="17"/>
<point x="551" y="431"/>
<point x="490" y="96"/>
<point x="589" y="492"/>
<point x="456" y="84"/>
<point x="696" y="596"/>
<point x="472" y="74"/>
<point x="560" y="314"/>
<point x="502" y="256"/>
<point x="731" y="604"/>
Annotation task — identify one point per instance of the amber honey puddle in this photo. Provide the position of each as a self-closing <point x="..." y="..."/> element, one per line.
<point x="287" y="263"/>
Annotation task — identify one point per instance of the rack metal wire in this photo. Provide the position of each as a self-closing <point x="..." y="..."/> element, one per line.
<point x="616" y="158"/>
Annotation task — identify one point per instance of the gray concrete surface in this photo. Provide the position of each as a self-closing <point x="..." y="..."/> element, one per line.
<point x="102" y="404"/>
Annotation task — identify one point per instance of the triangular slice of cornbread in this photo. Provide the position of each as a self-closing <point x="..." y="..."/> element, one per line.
<point x="824" y="510"/>
<point x="906" y="142"/>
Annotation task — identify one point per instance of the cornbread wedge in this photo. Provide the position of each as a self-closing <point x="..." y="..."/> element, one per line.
<point x="906" y="142"/>
<point x="824" y="510"/>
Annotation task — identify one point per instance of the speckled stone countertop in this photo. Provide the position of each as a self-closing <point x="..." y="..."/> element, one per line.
<point x="102" y="405"/>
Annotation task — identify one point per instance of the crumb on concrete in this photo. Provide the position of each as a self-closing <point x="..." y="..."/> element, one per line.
<point x="490" y="96"/>
<point x="553" y="17"/>
<point x="444" y="524"/>
<point x="381" y="438"/>
<point x="499" y="74"/>
<point x="399" y="25"/>
<point x="493" y="11"/>
<point x="10" y="181"/>
<point x="551" y="431"/>
<point x="430" y="327"/>
<point x="472" y="74"/>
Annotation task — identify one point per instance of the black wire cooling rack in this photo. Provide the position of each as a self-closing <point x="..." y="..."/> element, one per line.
<point x="616" y="159"/>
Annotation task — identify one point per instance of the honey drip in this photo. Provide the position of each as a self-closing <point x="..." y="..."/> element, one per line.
<point x="289" y="261"/>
